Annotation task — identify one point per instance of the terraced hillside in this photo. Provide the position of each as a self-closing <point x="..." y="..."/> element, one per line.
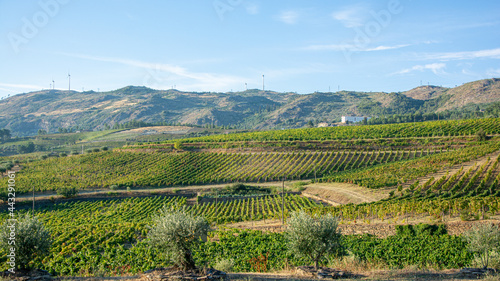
<point x="424" y="171"/>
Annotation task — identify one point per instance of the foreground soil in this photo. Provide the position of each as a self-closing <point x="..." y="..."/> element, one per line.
<point x="398" y="275"/>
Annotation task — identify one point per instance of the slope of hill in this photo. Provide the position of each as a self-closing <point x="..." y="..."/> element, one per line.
<point x="25" y="114"/>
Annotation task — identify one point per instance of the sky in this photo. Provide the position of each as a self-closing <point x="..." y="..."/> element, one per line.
<point x="228" y="45"/>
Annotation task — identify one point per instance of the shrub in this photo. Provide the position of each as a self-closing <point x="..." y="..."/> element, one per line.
<point x="481" y="135"/>
<point x="178" y="145"/>
<point x="74" y="152"/>
<point x="32" y="240"/>
<point x="113" y="187"/>
<point x="313" y="237"/>
<point x="96" y="150"/>
<point x="104" y="148"/>
<point x="483" y="239"/>
<point x="225" y="265"/>
<point x="176" y="232"/>
<point x="67" y="191"/>
<point x="63" y="154"/>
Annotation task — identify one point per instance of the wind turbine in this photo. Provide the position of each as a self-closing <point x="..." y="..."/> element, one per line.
<point x="69" y="81"/>
<point x="53" y="84"/>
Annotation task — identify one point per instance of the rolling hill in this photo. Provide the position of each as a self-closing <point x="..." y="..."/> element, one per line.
<point x="26" y="113"/>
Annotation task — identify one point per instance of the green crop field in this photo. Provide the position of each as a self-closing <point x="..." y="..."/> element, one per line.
<point x="94" y="235"/>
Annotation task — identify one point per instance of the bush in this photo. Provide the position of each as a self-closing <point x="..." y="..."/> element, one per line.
<point x="176" y="232"/>
<point x="74" y="152"/>
<point x="63" y="154"/>
<point x="225" y="265"/>
<point x="104" y="148"/>
<point x="96" y="150"/>
<point x="32" y="240"/>
<point x="178" y="145"/>
<point x="67" y="192"/>
<point x="300" y="185"/>
<point x="113" y="187"/>
<point x="481" y="135"/>
<point x="483" y="239"/>
<point x="313" y="237"/>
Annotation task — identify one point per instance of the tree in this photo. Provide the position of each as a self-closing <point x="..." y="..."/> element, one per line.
<point x="32" y="239"/>
<point x="42" y="132"/>
<point x="5" y="134"/>
<point x="481" y="135"/>
<point x="313" y="237"/>
<point x="178" y="145"/>
<point x="483" y="239"/>
<point x="28" y="148"/>
<point x="176" y="232"/>
<point x="67" y="191"/>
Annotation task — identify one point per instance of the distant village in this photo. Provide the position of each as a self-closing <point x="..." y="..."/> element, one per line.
<point x="345" y="120"/>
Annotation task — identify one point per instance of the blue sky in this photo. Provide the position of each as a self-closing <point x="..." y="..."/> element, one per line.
<point x="219" y="45"/>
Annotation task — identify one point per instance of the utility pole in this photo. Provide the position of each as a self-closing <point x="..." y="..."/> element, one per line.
<point x="216" y="211"/>
<point x="283" y="203"/>
<point x="33" y="212"/>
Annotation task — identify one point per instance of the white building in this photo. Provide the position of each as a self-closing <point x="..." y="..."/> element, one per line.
<point x="323" y="124"/>
<point x="354" y="119"/>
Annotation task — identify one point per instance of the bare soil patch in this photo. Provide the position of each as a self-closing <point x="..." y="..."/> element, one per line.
<point x="343" y="193"/>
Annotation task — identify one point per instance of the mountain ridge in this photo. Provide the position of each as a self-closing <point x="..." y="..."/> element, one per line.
<point x="26" y="113"/>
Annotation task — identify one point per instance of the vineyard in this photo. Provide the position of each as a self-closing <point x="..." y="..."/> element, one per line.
<point x="108" y="235"/>
<point x="166" y="169"/>
<point x="392" y="174"/>
<point x="95" y="235"/>
<point x="404" y="130"/>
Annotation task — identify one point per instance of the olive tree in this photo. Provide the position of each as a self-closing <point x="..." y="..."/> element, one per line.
<point x="176" y="232"/>
<point x="483" y="239"/>
<point x="313" y="236"/>
<point x="28" y="237"/>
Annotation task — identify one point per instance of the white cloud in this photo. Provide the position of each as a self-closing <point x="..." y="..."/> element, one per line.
<point x="289" y="17"/>
<point x="189" y="80"/>
<point x="436" y="68"/>
<point x="21" y="86"/>
<point x="491" y="53"/>
<point x="351" y="16"/>
<point x="352" y="47"/>
<point x="493" y="72"/>
<point x="9" y="88"/>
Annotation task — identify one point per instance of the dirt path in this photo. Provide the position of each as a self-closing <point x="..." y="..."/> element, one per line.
<point x="360" y="274"/>
<point x="343" y="193"/>
<point x="143" y="191"/>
